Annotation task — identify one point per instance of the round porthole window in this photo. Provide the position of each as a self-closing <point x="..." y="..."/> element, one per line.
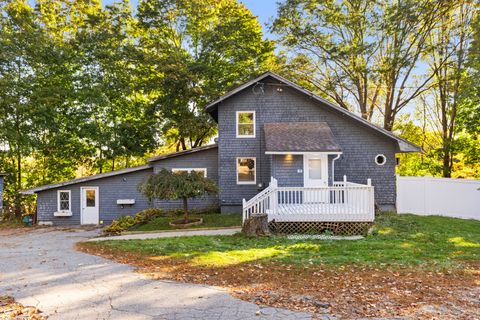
<point x="380" y="159"/>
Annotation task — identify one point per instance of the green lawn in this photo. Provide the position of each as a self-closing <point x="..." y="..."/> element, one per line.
<point x="209" y="221"/>
<point x="400" y="240"/>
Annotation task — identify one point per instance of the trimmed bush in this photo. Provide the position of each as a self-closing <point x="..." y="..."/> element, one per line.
<point x="126" y="222"/>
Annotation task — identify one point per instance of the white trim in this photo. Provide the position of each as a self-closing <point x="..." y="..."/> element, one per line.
<point x="97" y="202"/>
<point x="190" y="170"/>
<point x="60" y="212"/>
<point x="255" y="171"/>
<point x="304" y="152"/>
<point x="236" y="124"/>
<point x="384" y="157"/>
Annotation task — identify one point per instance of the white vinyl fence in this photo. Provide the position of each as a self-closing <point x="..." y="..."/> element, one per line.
<point x="439" y="196"/>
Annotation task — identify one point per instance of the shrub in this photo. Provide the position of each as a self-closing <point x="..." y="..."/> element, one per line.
<point x="168" y="185"/>
<point x="126" y="222"/>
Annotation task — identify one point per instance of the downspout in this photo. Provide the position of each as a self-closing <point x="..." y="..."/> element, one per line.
<point x="333" y="166"/>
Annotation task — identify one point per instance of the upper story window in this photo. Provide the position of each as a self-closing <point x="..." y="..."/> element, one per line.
<point x="63" y="200"/>
<point x="246" y="171"/>
<point x="245" y="124"/>
<point x="202" y="171"/>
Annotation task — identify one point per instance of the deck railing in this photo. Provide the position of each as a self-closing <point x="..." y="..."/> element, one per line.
<point x="343" y="201"/>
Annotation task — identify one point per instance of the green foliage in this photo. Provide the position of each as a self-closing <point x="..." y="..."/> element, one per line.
<point x="361" y="54"/>
<point x="168" y="185"/>
<point x="127" y="222"/>
<point x="87" y="88"/>
<point x="429" y="242"/>
<point x="199" y="49"/>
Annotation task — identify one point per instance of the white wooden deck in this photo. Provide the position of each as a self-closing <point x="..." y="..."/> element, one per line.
<point x="342" y="202"/>
<point x="312" y="212"/>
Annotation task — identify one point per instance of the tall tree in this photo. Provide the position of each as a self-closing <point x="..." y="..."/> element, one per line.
<point x="404" y="32"/>
<point x="195" y="50"/>
<point x="20" y="37"/>
<point x="363" y="53"/>
<point x="335" y="47"/>
<point x="447" y="57"/>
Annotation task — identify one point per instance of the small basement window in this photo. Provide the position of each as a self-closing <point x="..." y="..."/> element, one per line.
<point x="63" y="201"/>
<point x="245" y="124"/>
<point x="202" y="171"/>
<point x="380" y="159"/>
<point x="246" y="171"/>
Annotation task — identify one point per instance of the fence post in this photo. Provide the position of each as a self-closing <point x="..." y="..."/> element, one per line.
<point x="425" y="200"/>
<point x="244" y="210"/>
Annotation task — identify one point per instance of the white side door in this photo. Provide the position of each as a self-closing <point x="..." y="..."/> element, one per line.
<point x="89" y="205"/>
<point x="315" y="169"/>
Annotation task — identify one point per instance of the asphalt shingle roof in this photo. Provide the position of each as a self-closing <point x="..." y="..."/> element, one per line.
<point x="299" y="137"/>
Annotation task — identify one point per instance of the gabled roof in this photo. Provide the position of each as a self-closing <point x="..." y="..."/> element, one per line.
<point x="299" y="137"/>
<point x="116" y="172"/>
<point x="182" y="153"/>
<point x="403" y="145"/>
<point x="85" y="179"/>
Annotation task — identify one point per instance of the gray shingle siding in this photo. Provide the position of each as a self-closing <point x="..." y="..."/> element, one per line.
<point x="124" y="186"/>
<point x="110" y="189"/>
<point x="285" y="170"/>
<point x="359" y="143"/>
<point x="202" y="159"/>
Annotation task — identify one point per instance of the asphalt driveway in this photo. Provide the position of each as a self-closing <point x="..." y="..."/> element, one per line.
<point x="42" y="269"/>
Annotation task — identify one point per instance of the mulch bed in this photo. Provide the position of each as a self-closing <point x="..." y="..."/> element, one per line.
<point x="9" y="309"/>
<point x="348" y="292"/>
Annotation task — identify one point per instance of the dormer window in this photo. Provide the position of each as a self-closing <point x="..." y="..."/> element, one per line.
<point x="245" y="124"/>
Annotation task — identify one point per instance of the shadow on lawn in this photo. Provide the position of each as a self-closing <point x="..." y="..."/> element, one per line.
<point x="401" y="240"/>
<point x="352" y="277"/>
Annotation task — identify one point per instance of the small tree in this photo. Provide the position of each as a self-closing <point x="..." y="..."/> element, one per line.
<point x="166" y="185"/>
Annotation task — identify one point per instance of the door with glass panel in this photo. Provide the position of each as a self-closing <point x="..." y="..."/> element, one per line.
<point x="89" y="205"/>
<point x="315" y="168"/>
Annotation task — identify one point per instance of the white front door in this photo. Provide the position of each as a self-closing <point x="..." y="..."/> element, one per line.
<point x="89" y="205"/>
<point x="315" y="168"/>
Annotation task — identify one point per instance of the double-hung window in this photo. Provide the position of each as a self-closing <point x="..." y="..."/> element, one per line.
<point x="246" y="171"/>
<point x="245" y="124"/>
<point x="202" y="171"/>
<point x="64" y="201"/>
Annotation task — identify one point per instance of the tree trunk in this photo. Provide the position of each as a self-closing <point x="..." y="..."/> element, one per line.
<point x="185" y="209"/>
<point x="256" y="225"/>
<point x="447" y="168"/>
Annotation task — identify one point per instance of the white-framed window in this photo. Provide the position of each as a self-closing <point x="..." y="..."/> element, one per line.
<point x="380" y="159"/>
<point x="64" y="201"/>
<point x="246" y="170"/>
<point x="188" y="170"/>
<point x="245" y="124"/>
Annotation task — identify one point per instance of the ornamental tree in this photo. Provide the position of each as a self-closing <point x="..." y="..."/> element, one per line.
<point x="168" y="185"/>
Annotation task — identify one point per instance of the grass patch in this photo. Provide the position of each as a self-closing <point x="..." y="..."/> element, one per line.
<point x="401" y="240"/>
<point x="209" y="221"/>
<point x="11" y="224"/>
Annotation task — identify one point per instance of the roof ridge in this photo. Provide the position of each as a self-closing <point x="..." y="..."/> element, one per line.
<point x="182" y="152"/>
<point x="85" y="179"/>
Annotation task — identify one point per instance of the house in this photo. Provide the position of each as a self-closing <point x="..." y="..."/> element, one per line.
<point x="281" y="150"/>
